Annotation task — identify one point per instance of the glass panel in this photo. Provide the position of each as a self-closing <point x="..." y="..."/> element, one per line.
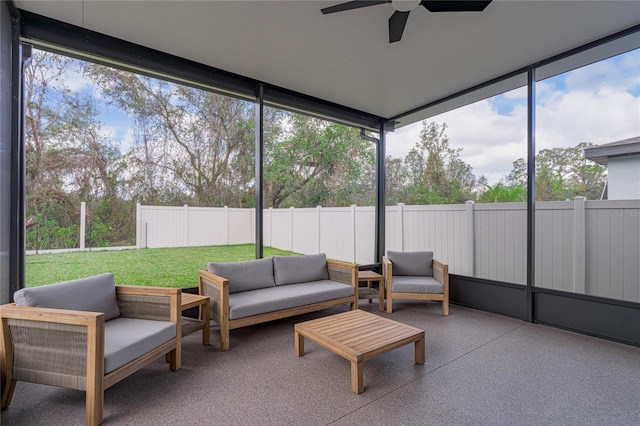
<point x="456" y="185"/>
<point x="319" y="188"/>
<point x="121" y="160"/>
<point x="588" y="179"/>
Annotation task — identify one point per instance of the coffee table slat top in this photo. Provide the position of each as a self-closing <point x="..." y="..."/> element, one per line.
<point x="359" y="335"/>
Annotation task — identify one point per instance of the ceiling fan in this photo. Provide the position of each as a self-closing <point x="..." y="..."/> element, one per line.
<point x="402" y="8"/>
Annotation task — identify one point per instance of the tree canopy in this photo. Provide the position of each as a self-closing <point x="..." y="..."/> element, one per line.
<point x="197" y="147"/>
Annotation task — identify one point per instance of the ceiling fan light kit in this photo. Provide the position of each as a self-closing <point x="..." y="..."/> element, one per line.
<point x="398" y="20"/>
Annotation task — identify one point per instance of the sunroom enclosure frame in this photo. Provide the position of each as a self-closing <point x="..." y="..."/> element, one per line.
<point x="616" y="320"/>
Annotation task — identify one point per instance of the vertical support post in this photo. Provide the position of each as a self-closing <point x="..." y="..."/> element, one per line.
<point x="185" y="225"/>
<point x="138" y="226"/>
<point x="471" y="261"/>
<point x="226" y="225"/>
<point x="83" y="220"/>
<point x="353" y="233"/>
<point x="259" y="161"/>
<point x="291" y="228"/>
<point x="531" y="192"/>
<point x="579" y="248"/>
<point x="319" y="219"/>
<point x="380" y="189"/>
<point x="401" y="225"/>
<point x="20" y="55"/>
<point x="381" y="193"/>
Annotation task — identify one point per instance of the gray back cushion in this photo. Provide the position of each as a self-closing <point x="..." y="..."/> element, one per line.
<point x="411" y="263"/>
<point x="300" y="269"/>
<point x="245" y="276"/>
<point x="93" y="294"/>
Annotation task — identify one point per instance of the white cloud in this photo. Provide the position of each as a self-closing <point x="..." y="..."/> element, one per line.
<point x="595" y="104"/>
<point x="491" y="142"/>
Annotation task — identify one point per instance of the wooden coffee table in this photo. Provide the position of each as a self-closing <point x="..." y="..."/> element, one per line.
<point x="358" y="336"/>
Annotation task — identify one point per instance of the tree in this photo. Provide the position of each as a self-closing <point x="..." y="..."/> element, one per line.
<point x="500" y="193"/>
<point x="68" y="160"/>
<point x="191" y="145"/>
<point x="316" y="162"/>
<point x="562" y="173"/>
<point x="397" y="179"/>
<point x="436" y="172"/>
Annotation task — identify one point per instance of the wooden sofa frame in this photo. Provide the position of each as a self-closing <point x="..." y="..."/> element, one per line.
<point x="440" y="273"/>
<point x="217" y="288"/>
<point x="81" y="345"/>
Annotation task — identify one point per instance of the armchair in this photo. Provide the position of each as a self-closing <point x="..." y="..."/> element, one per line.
<point x="416" y="276"/>
<point x="86" y="334"/>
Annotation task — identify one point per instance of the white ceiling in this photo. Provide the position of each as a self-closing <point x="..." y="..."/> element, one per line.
<point x="345" y="57"/>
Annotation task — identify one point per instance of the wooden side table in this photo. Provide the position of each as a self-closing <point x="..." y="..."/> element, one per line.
<point x="191" y="325"/>
<point x="369" y="292"/>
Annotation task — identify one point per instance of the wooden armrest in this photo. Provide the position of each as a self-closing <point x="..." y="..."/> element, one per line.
<point x="148" y="291"/>
<point x="441" y="272"/>
<point x="213" y="279"/>
<point x="350" y="269"/>
<point x="387" y="268"/>
<point x="59" y="316"/>
<point x="154" y="303"/>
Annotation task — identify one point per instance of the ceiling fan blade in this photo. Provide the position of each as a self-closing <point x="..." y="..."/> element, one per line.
<point x="396" y="25"/>
<point x="357" y="4"/>
<point x="455" y="5"/>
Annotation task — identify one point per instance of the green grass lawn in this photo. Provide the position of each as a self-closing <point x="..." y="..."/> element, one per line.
<point x="161" y="267"/>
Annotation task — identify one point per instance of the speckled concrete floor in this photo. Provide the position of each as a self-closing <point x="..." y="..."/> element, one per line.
<point x="480" y="369"/>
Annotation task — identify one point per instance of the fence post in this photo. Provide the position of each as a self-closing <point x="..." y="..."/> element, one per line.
<point x="226" y="225"/>
<point x="470" y="239"/>
<point x="138" y="226"/>
<point x="319" y="217"/>
<point x="270" y="226"/>
<point x="291" y="228"/>
<point x="185" y="226"/>
<point x="579" y="242"/>
<point x="253" y="226"/>
<point x="401" y="225"/>
<point x="83" y="219"/>
<point x="353" y="231"/>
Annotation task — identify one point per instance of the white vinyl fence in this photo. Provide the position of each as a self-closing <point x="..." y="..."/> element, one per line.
<point x="590" y="247"/>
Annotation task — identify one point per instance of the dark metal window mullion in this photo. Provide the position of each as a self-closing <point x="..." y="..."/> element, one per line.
<point x="531" y="192"/>
<point x="16" y="233"/>
<point x="259" y="178"/>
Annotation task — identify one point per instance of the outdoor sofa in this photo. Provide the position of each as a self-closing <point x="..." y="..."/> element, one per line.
<point x="87" y="334"/>
<point x="257" y="291"/>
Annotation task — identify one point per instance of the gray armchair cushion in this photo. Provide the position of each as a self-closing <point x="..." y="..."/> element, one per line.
<point x="93" y="294"/>
<point x="417" y="263"/>
<point x="300" y="269"/>
<point x="245" y="276"/>
<point x="126" y="339"/>
<point x="415" y="284"/>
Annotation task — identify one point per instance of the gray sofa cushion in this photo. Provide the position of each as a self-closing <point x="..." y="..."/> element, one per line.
<point x="245" y="276"/>
<point x="93" y="294"/>
<point x="415" y="284"/>
<point x="300" y="269"/>
<point x="126" y="339"/>
<point x="283" y="297"/>
<point x="411" y="263"/>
